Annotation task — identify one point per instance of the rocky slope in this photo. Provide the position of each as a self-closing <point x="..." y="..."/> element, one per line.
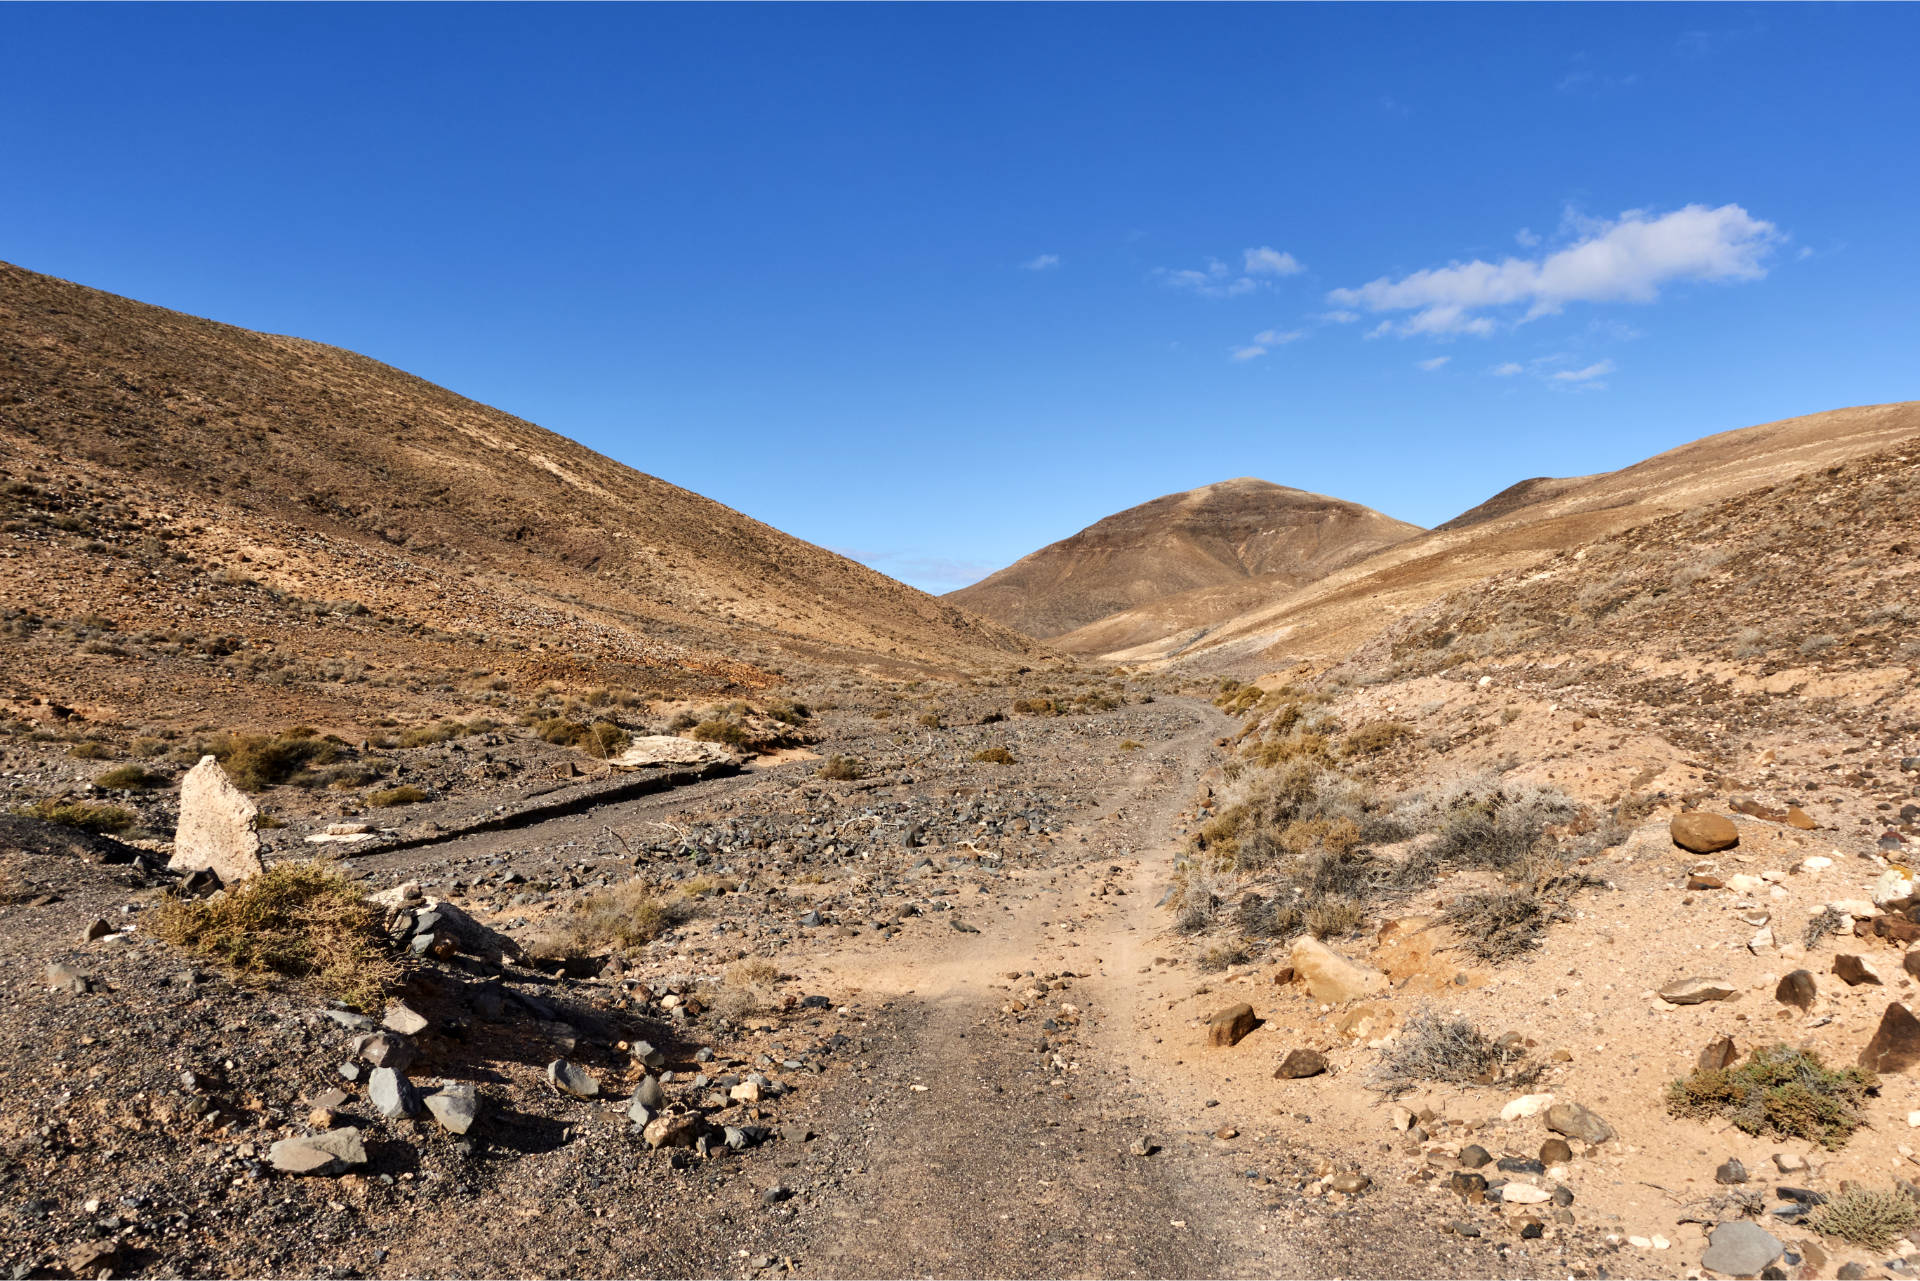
<point x="1250" y="628"/>
<point x="1239" y="532"/>
<point x="210" y="524"/>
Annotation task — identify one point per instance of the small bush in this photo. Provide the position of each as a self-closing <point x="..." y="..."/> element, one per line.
<point x="626" y="916"/>
<point x="90" y="751"/>
<point x="88" y="816"/>
<point x="1866" y="1217"/>
<point x="842" y="769"/>
<point x="256" y="762"/>
<point x="995" y="756"/>
<point x="1374" y="736"/>
<point x="719" y="731"/>
<point x="788" y="711"/>
<point x="1330" y="918"/>
<point x="388" y="798"/>
<point x="931" y="720"/>
<point x="1038" y="707"/>
<point x="1778" y="1090"/>
<point x="126" y="778"/>
<point x="605" y="739"/>
<point x="561" y="732"/>
<point x="1497" y="925"/>
<point x="1433" y="1048"/>
<point x="1224" y="956"/>
<point x="1128" y="745"/>
<point x="295" y="920"/>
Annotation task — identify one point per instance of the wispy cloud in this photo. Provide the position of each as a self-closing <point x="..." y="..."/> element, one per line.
<point x="1264" y="341"/>
<point x="929" y="573"/>
<point x="1045" y="262"/>
<point x="1627" y="259"/>
<point x="1598" y="369"/>
<point x="1509" y="369"/>
<point x="1258" y="268"/>
<point x="1553" y="372"/>
<point x="1433" y="363"/>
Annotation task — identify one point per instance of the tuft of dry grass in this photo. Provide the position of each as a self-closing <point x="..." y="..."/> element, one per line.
<point x="994" y="756"/>
<point x="388" y="798"/>
<point x="625" y="916"/>
<point x="842" y="769"/>
<point x="1866" y="1217"/>
<point x="1431" y="1047"/>
<point x="295" y="920"/>
<point x="88" y="816"/>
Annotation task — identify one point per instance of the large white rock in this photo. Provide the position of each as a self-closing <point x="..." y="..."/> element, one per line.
<point x="1331" y="977"/>
<point x="216" y="831"/>
<point x="664" y="749"/>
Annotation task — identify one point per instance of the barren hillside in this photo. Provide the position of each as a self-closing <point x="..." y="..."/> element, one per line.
<point x="1223" y="534"/>
<point x="208" y="523"/>
<point x="1251" y="627"/>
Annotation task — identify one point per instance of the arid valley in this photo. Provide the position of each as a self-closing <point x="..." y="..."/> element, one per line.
<point x="433" y="848"/>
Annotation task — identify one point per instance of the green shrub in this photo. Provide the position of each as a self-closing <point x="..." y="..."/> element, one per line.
<point x="1867" y="1217"/>
<point x="256" y="762"/>
<point x="90" y="751"/>
<point x="296" y="920"/>
<point x="1778" y="1090"/>
<point x="405" y="794"/>
<point x="88" y="816"/>
<point x="719" y="731"/>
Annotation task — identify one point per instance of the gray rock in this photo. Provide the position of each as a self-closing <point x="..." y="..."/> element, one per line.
<point x="1740" y="1249"/>
<point x="334" y="1152"/>
<point x="649" y="1093"/>
<point x="1473" y="1156"/>
<point x="644" y="1053"/>
<point x="572" y="1079"/>
<point x="639" y="1113"/>
<point x="1730" y="1171"/>
<point x="455" y="1105"/>
<point x="351" y="1021"/>
<point x="449" y="923"/>
<point x="64" y="978"/>
<point x="392" y="1094"/>
<point x="1577" y="1122"/>
<point x="216" y="831"/>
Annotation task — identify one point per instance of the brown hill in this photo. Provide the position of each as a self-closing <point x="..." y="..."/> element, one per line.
<point x="1203" y="539"/>
<point x="208" y="523"/>
<point x="1256" y="626"/>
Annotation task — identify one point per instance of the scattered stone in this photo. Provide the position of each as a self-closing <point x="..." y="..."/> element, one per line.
<point x="1577" y="1122"/>
<point x="1740" y="1249"/>
<point x="1351" y="1182"/>
<point x="644" y="1054"/>
<point x="1789" y="1162"/>
<point x="1730" y="1171"/>
<point x="1331" y="977"/>
<point x="1696" y="991"/>
<point x="1719" y="1054"/>
<point x="98" y="930"/>
<point x="1895" y="1046"/>
<point x="1142" y="1147"/>
<point x="1555" y="1152"/>
<point x="1473" y="1156"/>
<point x="679" y="1131"/>
<point x="334" y="1152"/>
<point x="1701" y="833"/>
<point x="1524" y="1106"/>
<point x="216" y="832"/>
<point x="389" y="1049"/>
<point x="1524" y="1194"/>
<point x="1465" y="1183"/>
<point x="649" y="1094"/>
<point x="1797" y="989"/>
<point x="64" y="978"/>
<point x="1230" y="1025"/>
<point x="455" y="1105"/>
<point x="392" y="1094"/>
<point x="1797" y="817"/>
<point x="569" y="1078"/>
<point x="1300" y="1064"/>
<point x="1855" y="970"/>
<point x="404" y="1019"/>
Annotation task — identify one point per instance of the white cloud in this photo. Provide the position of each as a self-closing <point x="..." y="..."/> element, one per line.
<point x="1271" y="262"/>
<point x="1265" y="341"/>
<point x="1625" y="260"/>
<point x="1599" y="369"/>
<point x="1527" y="237"/>
<point x="1045" y="262"/>
<point x="1217" y="280"/>
<point x="1508" y="370"/>
<point x="1433" y="364"/>
<point x="1339" y="317"/>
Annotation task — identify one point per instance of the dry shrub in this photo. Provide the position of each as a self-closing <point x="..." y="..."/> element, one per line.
<point x="994" y="756"/>
<point x="1374" y="736"/>
<point x="388" y="798"/>
<point x="88" y="816"/>
<point x="842" y="769"/>
<point x="1223" y="956"/>
<point x="931" y="720"/>
<point x="625" y="916"/>
<point x="256" y="762"/>
<point x="1432" y="1048"/>
<point x="295" y="920"/>
<point x="125" y="778"/>
<point x="1867" y="1217"/>
<point x="1332" y="917"/>
<point x="1497" y="925"/>
<point x="1778" y="1090"/>
<point x="90" y="750"/>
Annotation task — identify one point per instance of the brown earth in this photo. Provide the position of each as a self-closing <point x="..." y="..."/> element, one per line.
<point x="1235" y="532"/>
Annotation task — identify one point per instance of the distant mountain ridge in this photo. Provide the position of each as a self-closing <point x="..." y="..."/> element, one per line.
<point x="1228" y="532"/>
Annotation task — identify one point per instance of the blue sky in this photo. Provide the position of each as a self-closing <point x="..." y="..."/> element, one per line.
<point x="935" y="286"/>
